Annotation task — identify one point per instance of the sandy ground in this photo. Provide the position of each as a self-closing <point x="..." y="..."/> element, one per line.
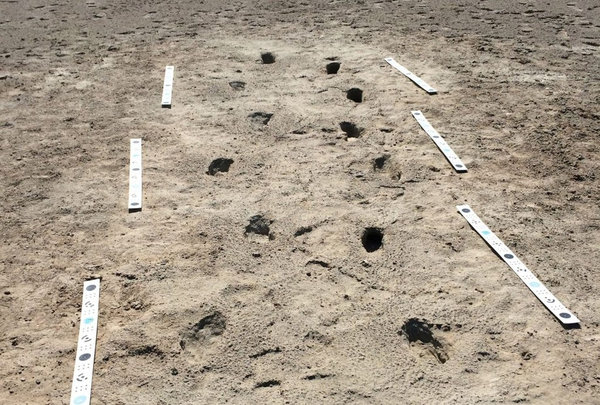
<point x="195" y="309"/>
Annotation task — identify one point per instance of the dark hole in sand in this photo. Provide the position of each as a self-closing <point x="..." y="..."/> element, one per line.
<point x="379" y="162"/>
<point x="372" y="239"/>
<point x="417" y="330"/>
<point x="332" y="68"/>
<point x="267" y="58"/>
<point x="351" y="130"/>
<point x="355" y="94"/>
<point x="219" y="165"/>
<point x="259" y="225"/>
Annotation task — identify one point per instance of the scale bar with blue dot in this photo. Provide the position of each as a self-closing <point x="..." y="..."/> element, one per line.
<point x="536" y="286"/>
<point x="454" y="160"/>
<point x="81" y="389"/>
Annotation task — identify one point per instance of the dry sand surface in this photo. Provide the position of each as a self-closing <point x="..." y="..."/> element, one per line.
<point x="197" y="306"/>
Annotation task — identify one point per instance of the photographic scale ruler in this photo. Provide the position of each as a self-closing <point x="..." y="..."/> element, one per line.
<point x="565" y="316"/>
<point x="81" y="389"/>
<point x="135" y="175"/>
<point x="168" y="87"/>
<point x="416" y="79"/>
<point x="454" y="160"/>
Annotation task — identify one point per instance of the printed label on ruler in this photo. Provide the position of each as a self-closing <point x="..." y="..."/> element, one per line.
<point x="135" y="175"/>
<point x="458" y="165"/>
<point x="168" y="86"/>
<point x="541" y="292"/>
<point x="81" y="389"/>
<point x="418" y="81"/>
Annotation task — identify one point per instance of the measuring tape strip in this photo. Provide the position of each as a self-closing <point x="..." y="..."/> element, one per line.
<point x="537" y="288"/>
<point x="81" y="389"/>
<point x="418" y="81"/>
<point x="135" y="174"/>
<point x="168" y="87"/>
<point x="454" y="160"/>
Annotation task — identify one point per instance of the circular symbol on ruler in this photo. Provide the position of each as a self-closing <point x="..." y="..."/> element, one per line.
<point x="550" y="300"/>
<point x="564" y="315"/>
<point x="86" y="338"/>
<point x="509" y="256"/>
<point x="88" y="304"/>
<point x="87" y="321"/>
<point x="80" y="400"/>
<point x="466" y="210"/>
<point x="534" y="284"/>
<point x="85" y="356"/>
<point x="81" y="377"/>
<point x="90" y="287"/>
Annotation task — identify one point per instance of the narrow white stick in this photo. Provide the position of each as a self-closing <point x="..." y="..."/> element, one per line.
<point x="541" y="292"/>
<point x="168" y="87"/>
<point x="135" y="175"/>
<point x="81" y="389"/>
<point x="454" y="160"/>
<point x="418" y="81"/>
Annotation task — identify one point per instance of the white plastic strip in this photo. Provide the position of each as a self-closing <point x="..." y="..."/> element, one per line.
<point x="168" y="87"/>
<point x="81" y="389"/>
<point x="135" y="175"/>
<point x="454" y="160"/>
<point x="418" y="81"/>
<point x="541" y="292"/>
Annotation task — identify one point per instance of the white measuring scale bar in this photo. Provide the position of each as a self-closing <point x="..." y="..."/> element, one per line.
<point x="541" y="292"/>
<point x="81" y="389"/>
<point x="135" y="175"/>
<point x="168" y="87"/>
<point x="454" y="160"/>
<point x="418" y="81"/>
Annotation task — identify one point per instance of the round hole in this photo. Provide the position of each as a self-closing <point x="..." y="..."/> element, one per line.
<point x="372" y="239"/>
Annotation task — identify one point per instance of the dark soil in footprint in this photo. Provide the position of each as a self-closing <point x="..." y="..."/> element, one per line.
<point x="379" y="162"/>
<point x="372" y="239"/>
<point x="303" y="229"/>
<point x="259" y="225"/>
<point x="416" y="330"/>
<point x="219" y="165"/>
<point x="267" y="58"/>
<point x="211" y="325"/>
<point x="260" y="117"/>
<point x="351" y="130"/>
<point x="332" y="68"/>
<point x="355" y="94"/>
